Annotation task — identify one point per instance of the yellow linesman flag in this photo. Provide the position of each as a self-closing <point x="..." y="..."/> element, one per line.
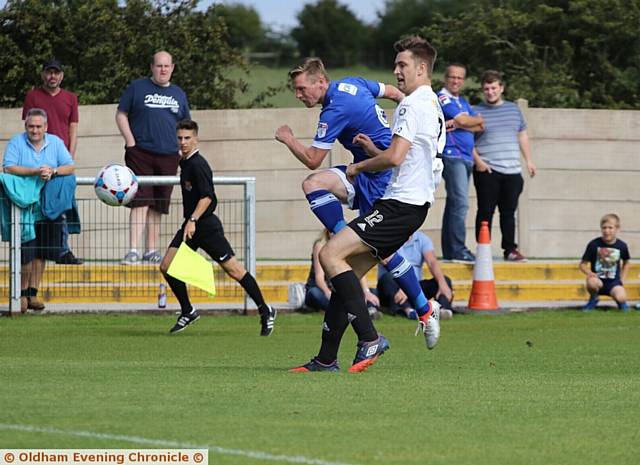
<point x="192" y="268"/>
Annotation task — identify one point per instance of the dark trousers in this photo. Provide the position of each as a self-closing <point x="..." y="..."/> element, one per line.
<point x="501" y="190"/>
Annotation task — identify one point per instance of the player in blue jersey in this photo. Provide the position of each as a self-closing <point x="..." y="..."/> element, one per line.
<point x="349" y="108"/>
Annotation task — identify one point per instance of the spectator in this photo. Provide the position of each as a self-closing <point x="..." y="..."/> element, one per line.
<point x="61" y="107"/>
<point x="146" y="117"/>
<point x="461" y="121"/>
<point x="497" y="174"/>
<point x="36" y="155"/>
<point x="606" y="264"/>
<point x="417" y="250"/>
<point x="317" y="292"/>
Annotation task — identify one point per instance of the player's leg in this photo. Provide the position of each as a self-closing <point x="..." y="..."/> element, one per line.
<point x="212" y="240"/>
<point x="326" y="191"/>
<point x="403" y="273"/>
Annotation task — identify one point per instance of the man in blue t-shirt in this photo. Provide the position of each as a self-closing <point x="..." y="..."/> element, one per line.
<point x="462" y="122"/>
<point x="147" y="115"/>
<point x="349" y="108"/>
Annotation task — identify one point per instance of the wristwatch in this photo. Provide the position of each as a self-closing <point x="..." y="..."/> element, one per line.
<point x="54" y="173"/>
<point x="193" y="218"/>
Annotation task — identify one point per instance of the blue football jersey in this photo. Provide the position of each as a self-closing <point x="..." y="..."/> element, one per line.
<point x="350" y="108"/>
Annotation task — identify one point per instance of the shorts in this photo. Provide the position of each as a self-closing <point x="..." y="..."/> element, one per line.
<point x="145" y="163"/>
<point x="389" y="225"/>
<point x="46" y="245"/>
<point x="209" y="236"/>
<point x="608" y="285"/>
<point x="365" y="192"/>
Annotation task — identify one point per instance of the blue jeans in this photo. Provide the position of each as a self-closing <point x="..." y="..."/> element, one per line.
<point x="316" y="299"/>
<point x="456" y="176"/>
<point x="64" y="246"/>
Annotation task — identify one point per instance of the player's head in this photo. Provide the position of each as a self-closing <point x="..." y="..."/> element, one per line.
<point x="454" y="76"/>
<point x="492" y="86"/>
<point x="609" y="226"/>
<point x="187" y="133"/>
<point x="414" y="62"/>
<point x="309" y="81"/>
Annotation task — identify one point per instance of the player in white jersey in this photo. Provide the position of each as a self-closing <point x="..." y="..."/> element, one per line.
<point x="418" y="137"/>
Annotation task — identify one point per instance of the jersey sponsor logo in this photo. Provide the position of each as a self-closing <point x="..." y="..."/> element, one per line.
<point x="348" y="88"/>
<point x="444" y="99"/>
<point x="322" y="130"/>
<point x="161" y="101"/>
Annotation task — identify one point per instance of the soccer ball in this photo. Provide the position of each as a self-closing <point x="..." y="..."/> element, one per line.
<point x="116" y="185"/>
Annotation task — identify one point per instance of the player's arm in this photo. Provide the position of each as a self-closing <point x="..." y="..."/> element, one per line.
<point x="201" y="207"/>
<point x="122" y="121"/>
<point x="392" y="93"/>
<point x="380" y="159"/>
<point x="311" y="157"/>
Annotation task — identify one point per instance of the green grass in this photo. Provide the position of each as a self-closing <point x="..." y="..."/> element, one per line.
<point x="261" y="77"/>
<point x="571" y="395"/>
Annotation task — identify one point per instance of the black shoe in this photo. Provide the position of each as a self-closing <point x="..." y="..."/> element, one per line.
<point x="184" y="321"/>
<point x="267" y="321"/>
<point x="68" y="259"/>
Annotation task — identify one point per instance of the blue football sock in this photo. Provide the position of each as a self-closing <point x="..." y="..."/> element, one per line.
<point x="402" y="272"/>
<point x="328" y="209"/>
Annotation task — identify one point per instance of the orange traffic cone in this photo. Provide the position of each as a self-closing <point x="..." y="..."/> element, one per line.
<point x="483" y="290"/>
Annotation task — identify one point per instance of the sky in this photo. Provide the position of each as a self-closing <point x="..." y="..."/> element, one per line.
<point x="280" y="15"/>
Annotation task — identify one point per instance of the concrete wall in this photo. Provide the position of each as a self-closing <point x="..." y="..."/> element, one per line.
<point x="588" y="164"/>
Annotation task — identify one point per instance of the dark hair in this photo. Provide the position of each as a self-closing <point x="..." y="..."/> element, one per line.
<point x="455" y="64"/>
<point x="490" y="76"/>
<point x="187" y="124"/>
<point x="420" y="48"/>
<point x="313" y="66"/>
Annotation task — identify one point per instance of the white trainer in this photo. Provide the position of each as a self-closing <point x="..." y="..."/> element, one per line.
<point x="430" y="326"/>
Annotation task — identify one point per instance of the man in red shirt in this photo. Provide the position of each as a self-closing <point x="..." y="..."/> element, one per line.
<point x="62" y="120"/>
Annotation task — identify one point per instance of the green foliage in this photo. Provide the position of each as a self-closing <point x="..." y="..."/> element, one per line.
<point x="331" y="31"/>
<point x="105" y="44"/>
<point x="243" y="23"/>
<point x="558" y="53"/>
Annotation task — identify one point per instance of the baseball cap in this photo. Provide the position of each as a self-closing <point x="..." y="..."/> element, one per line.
<point x="52" y="64"/>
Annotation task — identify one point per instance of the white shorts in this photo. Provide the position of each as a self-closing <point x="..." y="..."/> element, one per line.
<point x="351" y="190"/>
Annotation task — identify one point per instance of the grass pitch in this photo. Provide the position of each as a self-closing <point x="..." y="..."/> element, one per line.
<point x="537" y="388"/>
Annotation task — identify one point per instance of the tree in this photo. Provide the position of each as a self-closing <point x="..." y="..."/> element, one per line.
<point x="555" y="53"/>
<point x="245" y="30"/>
<point x="330" y="30"/>
<point x="105" y="44"/>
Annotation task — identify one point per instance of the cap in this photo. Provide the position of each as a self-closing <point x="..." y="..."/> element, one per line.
<point x="52" y="64"/>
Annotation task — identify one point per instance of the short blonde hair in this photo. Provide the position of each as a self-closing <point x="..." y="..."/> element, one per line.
<point x="313" y="66"/>
<point x="615" y="219"/>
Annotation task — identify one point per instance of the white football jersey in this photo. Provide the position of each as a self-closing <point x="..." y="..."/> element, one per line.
<point x="419" y="120"/>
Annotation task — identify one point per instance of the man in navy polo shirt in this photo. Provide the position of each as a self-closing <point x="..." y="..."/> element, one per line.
<point x="147" y="116"/>
<point x="462" y="122"/>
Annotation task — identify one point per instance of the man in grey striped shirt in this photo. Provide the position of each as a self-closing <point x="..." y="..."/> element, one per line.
<point x="497" y="171"/>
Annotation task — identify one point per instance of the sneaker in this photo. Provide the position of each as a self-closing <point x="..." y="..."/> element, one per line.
<point x="591" y="304"/>
<point x="624" y="307"/>
<point x="466" y="257"/>
<point x="184" y="321"/>
<point x="267" y="321"/>
<point x="315" y="365"/>
<point x="152" y="257"/>
<point x="132" y="258"/>
<point x="514" y="256"/>
<point x="68" y="259"/>
<point x="429" y="324"/>
<point x="368" y="352"/>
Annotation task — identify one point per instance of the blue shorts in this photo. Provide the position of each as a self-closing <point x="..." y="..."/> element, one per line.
<point x="608" y="285"/>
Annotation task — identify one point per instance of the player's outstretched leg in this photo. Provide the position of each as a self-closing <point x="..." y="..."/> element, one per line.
<point x="328" y="209"/>
<point x="429" y="325"/>
<point x="403" y="273"/>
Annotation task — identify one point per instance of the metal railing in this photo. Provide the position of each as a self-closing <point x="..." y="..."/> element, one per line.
<point x="104" y="241"/>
